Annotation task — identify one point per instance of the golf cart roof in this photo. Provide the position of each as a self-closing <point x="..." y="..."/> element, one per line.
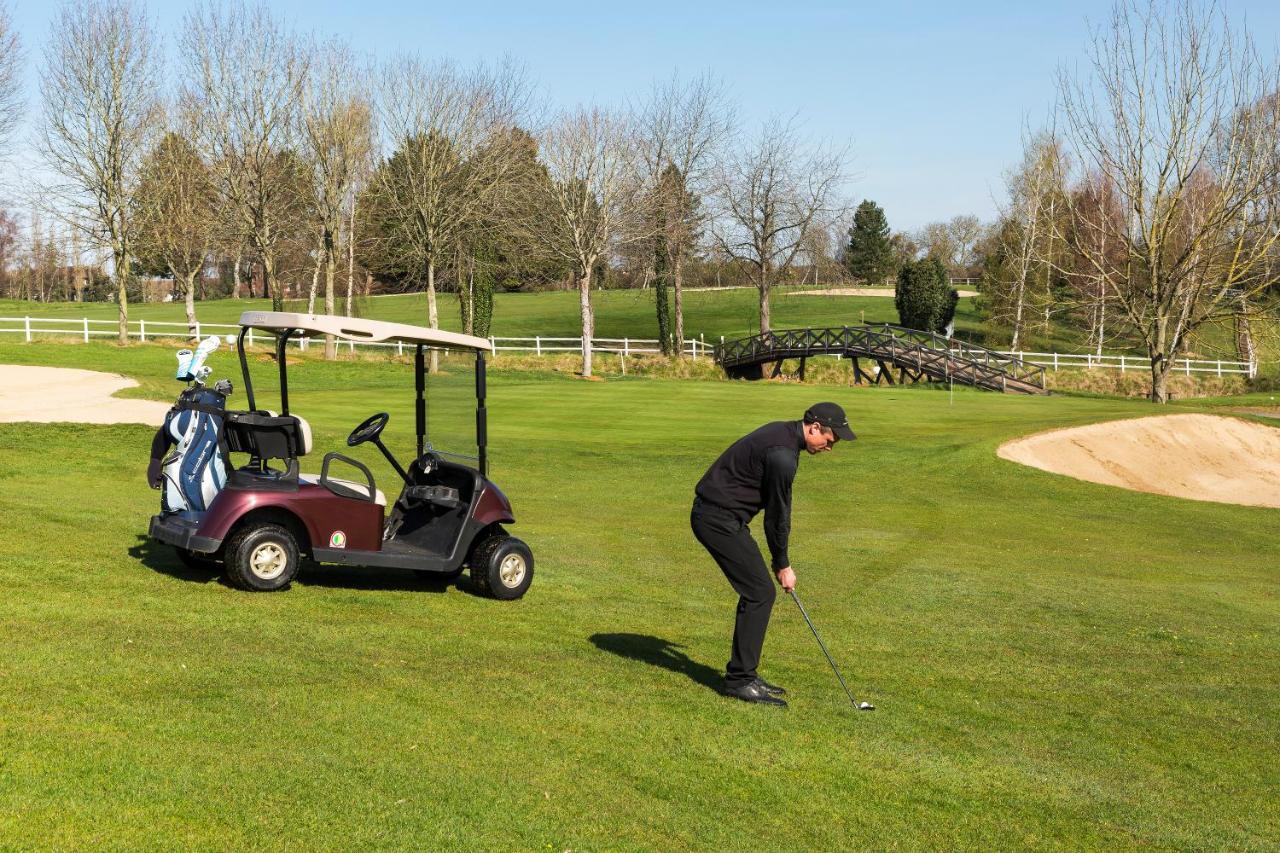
<point x="359" y="329"/>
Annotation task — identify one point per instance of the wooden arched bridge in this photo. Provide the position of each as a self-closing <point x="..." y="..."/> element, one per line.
<point x="914" y="354"/>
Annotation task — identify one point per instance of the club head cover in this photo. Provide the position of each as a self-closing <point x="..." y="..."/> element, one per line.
<point x="207" y="346"/>
<point x="184" y="365"/>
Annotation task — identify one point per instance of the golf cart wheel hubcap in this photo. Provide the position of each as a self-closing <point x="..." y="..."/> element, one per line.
<point x="512" y="570"/>
<point x="268" y="561"/>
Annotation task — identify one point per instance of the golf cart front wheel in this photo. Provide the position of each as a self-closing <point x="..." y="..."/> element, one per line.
<point x="502" y="567"/>
<point x="263" y="558"/>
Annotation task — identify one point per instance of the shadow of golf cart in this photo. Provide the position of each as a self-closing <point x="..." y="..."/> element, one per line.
<point x="267" y="515"/>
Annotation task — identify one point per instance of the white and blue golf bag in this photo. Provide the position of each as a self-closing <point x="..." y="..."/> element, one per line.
<point x="194" y="471"/>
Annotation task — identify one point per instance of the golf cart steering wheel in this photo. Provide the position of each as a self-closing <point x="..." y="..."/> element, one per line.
<point x="369" y="429"/>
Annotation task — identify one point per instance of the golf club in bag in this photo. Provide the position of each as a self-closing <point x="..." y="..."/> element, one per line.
<point x="858" y="706"/>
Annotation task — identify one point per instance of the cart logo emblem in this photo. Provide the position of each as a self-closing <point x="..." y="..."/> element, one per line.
<point x="338" y="539"/>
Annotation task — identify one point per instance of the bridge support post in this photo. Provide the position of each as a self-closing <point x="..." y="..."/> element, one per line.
<point x="802" y="361"/>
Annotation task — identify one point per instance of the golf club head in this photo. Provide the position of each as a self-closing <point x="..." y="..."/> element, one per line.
<point x="866" y="706"/>
<point x="223" y="387"/>
<point x="202" y="374"/>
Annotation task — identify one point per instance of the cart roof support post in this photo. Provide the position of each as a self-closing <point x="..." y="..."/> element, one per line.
<point x="281" y="342"/>
<point x="244" y="366"/>
<point x="482" y="416"/>
<point x="420" y="387"/>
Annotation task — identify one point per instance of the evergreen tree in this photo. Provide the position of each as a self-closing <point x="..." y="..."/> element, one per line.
<point x="924" y="297"/>
<point x="869" y="255"/>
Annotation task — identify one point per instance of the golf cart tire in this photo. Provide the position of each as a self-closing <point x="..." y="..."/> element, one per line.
<point x="262" y="558"/>
<point x="196" y="560"/>
<point x="502" y="568"/>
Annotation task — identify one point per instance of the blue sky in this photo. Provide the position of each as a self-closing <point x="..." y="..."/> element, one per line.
<point x="931" y="96"/>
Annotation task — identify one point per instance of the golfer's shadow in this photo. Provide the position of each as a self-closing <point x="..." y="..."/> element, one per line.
<point x="658" y="652"/>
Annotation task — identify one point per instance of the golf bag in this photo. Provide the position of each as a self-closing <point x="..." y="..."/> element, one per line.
<point x="195" y="470"/>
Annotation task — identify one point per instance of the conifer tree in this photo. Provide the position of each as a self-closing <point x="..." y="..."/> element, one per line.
<point x="869" y="254"/>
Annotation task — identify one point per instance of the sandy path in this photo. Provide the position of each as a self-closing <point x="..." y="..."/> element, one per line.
<point x="59" y="394"/>
<point x="1202" y="457"/>
<point x="860" y="291"/>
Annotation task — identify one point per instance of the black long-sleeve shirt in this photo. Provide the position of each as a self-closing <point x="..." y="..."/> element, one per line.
<point x="755" y="474"/>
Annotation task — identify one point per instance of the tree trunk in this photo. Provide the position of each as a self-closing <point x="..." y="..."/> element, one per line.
<point x="330" y="273"/>
<point x="1019" y="293"/>
<point x="677" y="284"/>
<point x="122" y="295"/>
<point x="190" y="298"/>
<point x="762" y="284"/>
<point x="588" y="319"/>
<point x="433" y="317"/>
<point x="235" y="274"/>
<point x="315" y="282"/>
<point x="1244" y="336"/>
<point x="269" y="283"/>
<point x="1161" y="367"/>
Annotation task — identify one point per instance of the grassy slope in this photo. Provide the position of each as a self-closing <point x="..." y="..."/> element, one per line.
<point x="1055" y="663"/>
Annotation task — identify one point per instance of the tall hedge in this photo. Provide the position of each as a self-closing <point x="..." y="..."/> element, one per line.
<point x="924" y="297"/>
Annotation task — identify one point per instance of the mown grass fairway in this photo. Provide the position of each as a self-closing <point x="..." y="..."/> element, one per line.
<point x="1054" y="663"/>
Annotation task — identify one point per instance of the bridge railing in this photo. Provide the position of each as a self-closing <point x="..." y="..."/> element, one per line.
<point x="881" y="340"/>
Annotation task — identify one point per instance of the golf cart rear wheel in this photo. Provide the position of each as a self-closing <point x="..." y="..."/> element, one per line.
<point x="262" y="558"/>
<point x="502" y="567"/>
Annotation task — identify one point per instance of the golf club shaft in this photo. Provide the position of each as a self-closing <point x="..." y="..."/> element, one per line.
<point x="823" y="646"/>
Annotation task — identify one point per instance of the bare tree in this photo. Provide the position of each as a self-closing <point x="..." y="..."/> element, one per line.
<point x="335" y="123"/>
<point x="1026" y="231"/>
<point x="769" y="195"/>
<point x="243" y="82"/>
<point x="965" y="230"/>
<point x="10" y="73"/>
<point x="445" y="174"/>
<point x="680" y="129"/>
<point x="99" y="85"/>
<point x="1180" y="115"/>
<point x="590" y="201"/>
<point x="172" y="209"/>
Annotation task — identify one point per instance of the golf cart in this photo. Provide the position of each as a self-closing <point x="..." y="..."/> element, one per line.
<point x="260" y="518"/>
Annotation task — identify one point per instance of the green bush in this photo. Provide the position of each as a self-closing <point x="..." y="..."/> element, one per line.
<point x="924" y="297"/>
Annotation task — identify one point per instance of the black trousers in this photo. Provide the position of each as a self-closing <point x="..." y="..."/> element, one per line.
<point x="738" y="556"/>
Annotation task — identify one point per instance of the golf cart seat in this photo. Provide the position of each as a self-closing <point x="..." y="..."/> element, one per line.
<point x="360" y="489"/>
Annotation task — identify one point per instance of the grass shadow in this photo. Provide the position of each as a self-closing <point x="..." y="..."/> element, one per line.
<point x="164" y="560"/>
<point x="659" y="652"/>
<point x="386" y="580"/>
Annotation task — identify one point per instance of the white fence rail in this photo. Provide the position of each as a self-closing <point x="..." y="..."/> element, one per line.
<point x="85" y="329"/>
<point x="1124" y="363"/>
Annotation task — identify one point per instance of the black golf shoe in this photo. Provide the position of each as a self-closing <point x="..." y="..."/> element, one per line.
<point x="771" y="689"/>
<point x="754" y="691"/>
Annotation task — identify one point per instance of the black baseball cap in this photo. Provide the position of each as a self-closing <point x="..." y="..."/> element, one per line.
<point x="832" y="417"/>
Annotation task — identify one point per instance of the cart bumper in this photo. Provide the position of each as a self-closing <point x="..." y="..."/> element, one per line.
<point x="182" y="534"/>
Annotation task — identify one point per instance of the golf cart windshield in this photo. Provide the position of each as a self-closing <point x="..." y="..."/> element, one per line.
<point x="288" y="325"/>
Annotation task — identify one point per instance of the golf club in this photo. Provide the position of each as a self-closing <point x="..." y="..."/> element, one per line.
<point x="859" y="706"/>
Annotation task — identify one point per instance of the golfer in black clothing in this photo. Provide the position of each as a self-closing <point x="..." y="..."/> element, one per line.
<point x="755" y="474"/>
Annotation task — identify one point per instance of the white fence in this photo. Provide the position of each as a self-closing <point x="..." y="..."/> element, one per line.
<point x="1124" y="363"/>
<point x="85" y="329"/>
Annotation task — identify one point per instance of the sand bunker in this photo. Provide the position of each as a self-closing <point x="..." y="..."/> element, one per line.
<point x="860" y="291"/>
<point x="59" y="394"/>
<point x="1202" y="457"/>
